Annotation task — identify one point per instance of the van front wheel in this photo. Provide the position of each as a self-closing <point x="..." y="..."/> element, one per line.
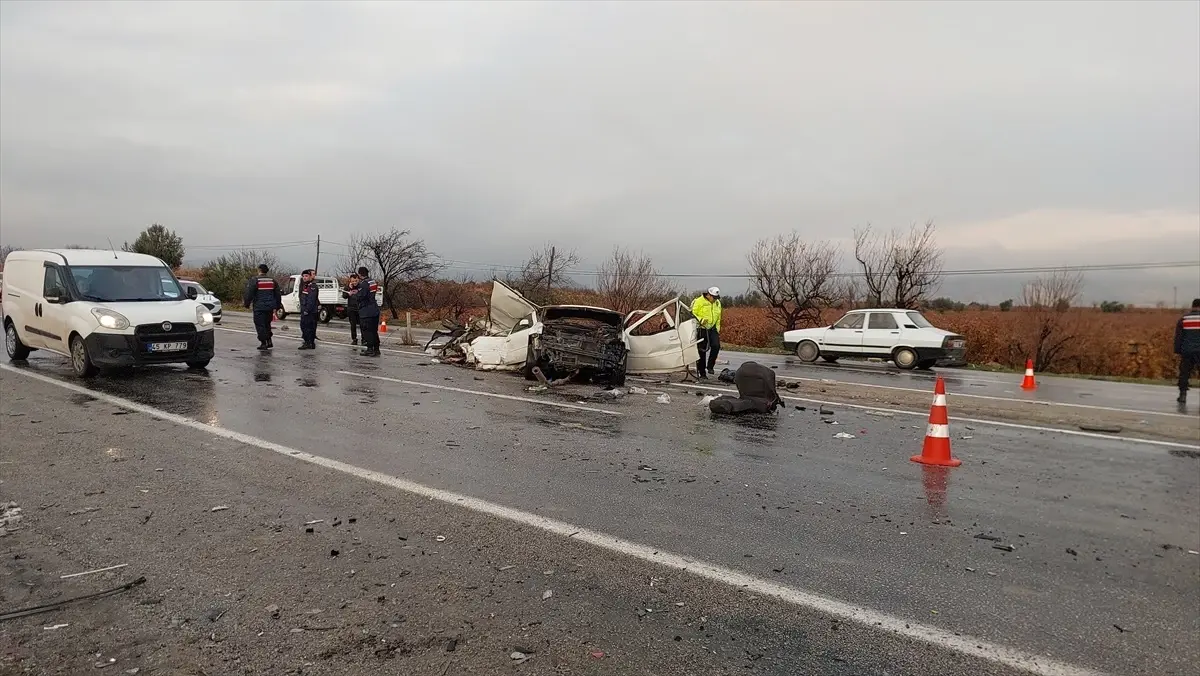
<point x="17" y="351"/>
<point x="81" y="362"/>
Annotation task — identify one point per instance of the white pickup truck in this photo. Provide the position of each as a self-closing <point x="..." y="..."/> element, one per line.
<point x="329" y="291"/>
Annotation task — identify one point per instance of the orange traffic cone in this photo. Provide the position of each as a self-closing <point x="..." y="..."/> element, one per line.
<point x="1028" y="383"/>
<point x="937" y="438"/>
<point x="383" y="326"/>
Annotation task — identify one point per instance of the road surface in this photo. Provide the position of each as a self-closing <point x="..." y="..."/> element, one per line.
<point x="806" y="553"/>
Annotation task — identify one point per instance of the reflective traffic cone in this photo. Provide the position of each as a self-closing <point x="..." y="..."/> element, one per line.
<point x="383" y="326"/>
<point x="937" y="438"/>
<point x="1028" y="383"/>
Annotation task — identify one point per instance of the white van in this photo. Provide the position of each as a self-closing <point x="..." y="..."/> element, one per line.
<point x="329" y="293"/>
<point x="102" y="309"/>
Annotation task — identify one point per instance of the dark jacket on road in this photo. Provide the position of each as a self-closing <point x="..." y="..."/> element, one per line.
<point x="263" y="293"/>
<point x="310" y="301"/>
<point x="1187" y="333"/>
<point x="368" y="308"/>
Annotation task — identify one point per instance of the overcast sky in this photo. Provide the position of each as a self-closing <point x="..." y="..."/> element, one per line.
<point x="1032" y="133"/>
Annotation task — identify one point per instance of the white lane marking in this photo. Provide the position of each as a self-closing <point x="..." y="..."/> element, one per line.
<point x="872" y="619"/>
<point x="994" y="398"/>
<point x="509" y="397"/>
<point x="403" y="353"/>
<point x="978" y="421"/>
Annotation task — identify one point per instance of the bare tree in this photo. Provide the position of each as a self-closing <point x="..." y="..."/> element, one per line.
<point x="544" y="271"/>
<point x="226" y="275"/>
<point x="629" y="281"/>
<point x="4" y="251"/>
<point x="899" y="270"/>
<point x="1051" y="325"/>
<point x="796" y="278"/>
<point x="395" y="260"/>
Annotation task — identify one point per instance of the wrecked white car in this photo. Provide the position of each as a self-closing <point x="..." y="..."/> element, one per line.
<point x="580" y="342"/>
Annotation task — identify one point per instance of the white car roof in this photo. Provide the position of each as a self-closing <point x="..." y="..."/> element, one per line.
<point x="880" y="309"/>
<point x="88" y="257"/>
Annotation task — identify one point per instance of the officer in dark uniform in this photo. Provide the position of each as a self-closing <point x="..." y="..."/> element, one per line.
<point x="1187" y="346"/>
<point x="368" y="312"/>
<point x="310" y="305"/>
<point x="263" y="293"/>
<point x="350" y="293"/>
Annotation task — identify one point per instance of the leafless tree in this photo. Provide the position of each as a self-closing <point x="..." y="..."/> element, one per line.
<point x="395" y="260"/>
<point x="1050" y="324"/>
<point x="796" y="278"/>
<point x="629" y="281"/>
<point x="899" y="270"/>
<point x="544" y="271"/>
<point x="4" y="251"/>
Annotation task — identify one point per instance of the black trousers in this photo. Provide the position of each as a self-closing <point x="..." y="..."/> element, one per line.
<point x="710" y="343"/>
<point x="308" y="328"/>
<point x="352" y="316"/>
<point x="1188" y="363"/>
<point x="370" y="332"/>
<point x="262" y="324"/>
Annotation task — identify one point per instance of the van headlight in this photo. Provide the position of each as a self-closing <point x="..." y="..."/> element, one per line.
<point x="110" y="320"/>
<point x="203" y="316"/>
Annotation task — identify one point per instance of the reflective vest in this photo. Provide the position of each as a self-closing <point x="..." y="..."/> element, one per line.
<point x="708" y="314"/>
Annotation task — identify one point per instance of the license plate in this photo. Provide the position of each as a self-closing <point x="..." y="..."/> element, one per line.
<point x="166" y="347"/>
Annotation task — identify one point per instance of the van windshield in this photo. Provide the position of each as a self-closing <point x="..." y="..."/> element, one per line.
<point x="125" y="283"/>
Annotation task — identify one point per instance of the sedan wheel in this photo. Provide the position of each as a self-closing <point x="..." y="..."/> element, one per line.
<point x="905" y="358"/>
<point x="807" y="351"/>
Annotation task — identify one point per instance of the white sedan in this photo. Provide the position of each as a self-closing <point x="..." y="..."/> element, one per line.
<point x="904" y="337"/>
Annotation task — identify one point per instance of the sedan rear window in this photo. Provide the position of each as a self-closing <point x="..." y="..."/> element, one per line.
<point x="919" y="319"/>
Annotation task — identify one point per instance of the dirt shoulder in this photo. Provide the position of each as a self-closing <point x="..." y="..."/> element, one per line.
<point x="257" y="564"/>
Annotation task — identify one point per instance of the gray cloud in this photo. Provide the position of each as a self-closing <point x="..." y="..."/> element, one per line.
<point x="686" y="129"/>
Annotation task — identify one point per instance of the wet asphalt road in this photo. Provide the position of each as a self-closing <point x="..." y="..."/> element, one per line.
<point x="1079" y="393"/>
<point x="778" y="498"/>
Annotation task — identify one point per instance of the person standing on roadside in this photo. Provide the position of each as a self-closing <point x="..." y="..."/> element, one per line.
<point x="1187" y="346"/>
<point x="368" y="312"/>
<point x="310" y="305"/>
<point x="351" y="295"/>
<point x="707" y="311"/>
<point x="263" y="294"/>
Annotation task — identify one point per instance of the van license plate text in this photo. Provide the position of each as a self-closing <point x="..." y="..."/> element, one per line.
<point x="166" y="347"/>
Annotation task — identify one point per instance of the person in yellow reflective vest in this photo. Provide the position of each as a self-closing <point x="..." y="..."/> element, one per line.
<point x="707" y="310"/>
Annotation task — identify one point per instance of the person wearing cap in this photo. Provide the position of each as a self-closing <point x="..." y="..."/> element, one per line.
<point x="707" y="311"/>
<point x="1187" y="346"/>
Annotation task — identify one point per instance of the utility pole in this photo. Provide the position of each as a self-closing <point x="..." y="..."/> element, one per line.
<point x="1175" y="300"/>
<point x="317" y="264"/>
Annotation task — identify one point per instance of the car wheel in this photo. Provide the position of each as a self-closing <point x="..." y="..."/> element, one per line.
<point x="807" y="351"/>
<point x="12" y="342"/>
<point x="832" y="359"/>
<point x="617" y="377"/>
<point x="323" y="315"/>
<point x="81" y="362"/>
<point x="926" y="364"/>
<point x="198" y="365"/>
<point x="905" y="358"/>
<point x="280" y="314"/>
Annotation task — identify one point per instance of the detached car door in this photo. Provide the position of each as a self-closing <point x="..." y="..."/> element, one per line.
<point x="670" y="349"/>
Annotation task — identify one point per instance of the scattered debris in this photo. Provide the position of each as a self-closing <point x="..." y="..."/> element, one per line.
<point x="597" y="654"/>
<point x="727" y="376"/>
<point x="519" y="657"/>
<point x="970" y="570"/>
<point x="273" y="611"/>
<point x="638" y="390"/>
<point x="984" y="536"/>
<point x="707" y="400"/>
<point x="25" y="612"/>
<point x="219" y="508"/>
<point x="334" y="553"/>
<point x="801" y="408"/>
<point x="86" y="510"/>
<point x="441" y="538"/>
<point x="98" y="570"/>
<point x="825" y="411"/>
<point x="664" y="398"/>
<point x="55" y="627"/>
<point x="1120" y="628"/>
<point x="843" y="435"/>
<point x="315" y="522"/>
<point x="1005" y="548"/>
<point x="1072" y="552"/>
<point x="1105" y="429"/>
<point x="646" y="468"/>
<point x="881" y="414"/>
<point x="546" y="595"/>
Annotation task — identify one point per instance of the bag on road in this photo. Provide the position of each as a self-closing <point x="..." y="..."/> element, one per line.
<point x="756" y="392"/>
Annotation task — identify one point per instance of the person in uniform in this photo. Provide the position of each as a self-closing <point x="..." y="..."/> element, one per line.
<point x="263" y="294"/>
<point x="350" y="293"/>
<point x="368" y="312"/>
<point x="310" y="305"/>
<point x="1187" y="346"/>
<point x="707" y="311"/>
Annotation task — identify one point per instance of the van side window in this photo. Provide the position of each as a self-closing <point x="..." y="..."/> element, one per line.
<point x="288" y="287"/>
<point x="52" y="282"/>
<point x="883" y="320"/>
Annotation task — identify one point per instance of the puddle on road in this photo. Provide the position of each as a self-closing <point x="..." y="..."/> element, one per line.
<point x="935" y="481"/>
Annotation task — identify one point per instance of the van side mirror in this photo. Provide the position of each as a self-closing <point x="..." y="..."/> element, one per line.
<point x="191" y="293"/>
<point x="56" y="295"/>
